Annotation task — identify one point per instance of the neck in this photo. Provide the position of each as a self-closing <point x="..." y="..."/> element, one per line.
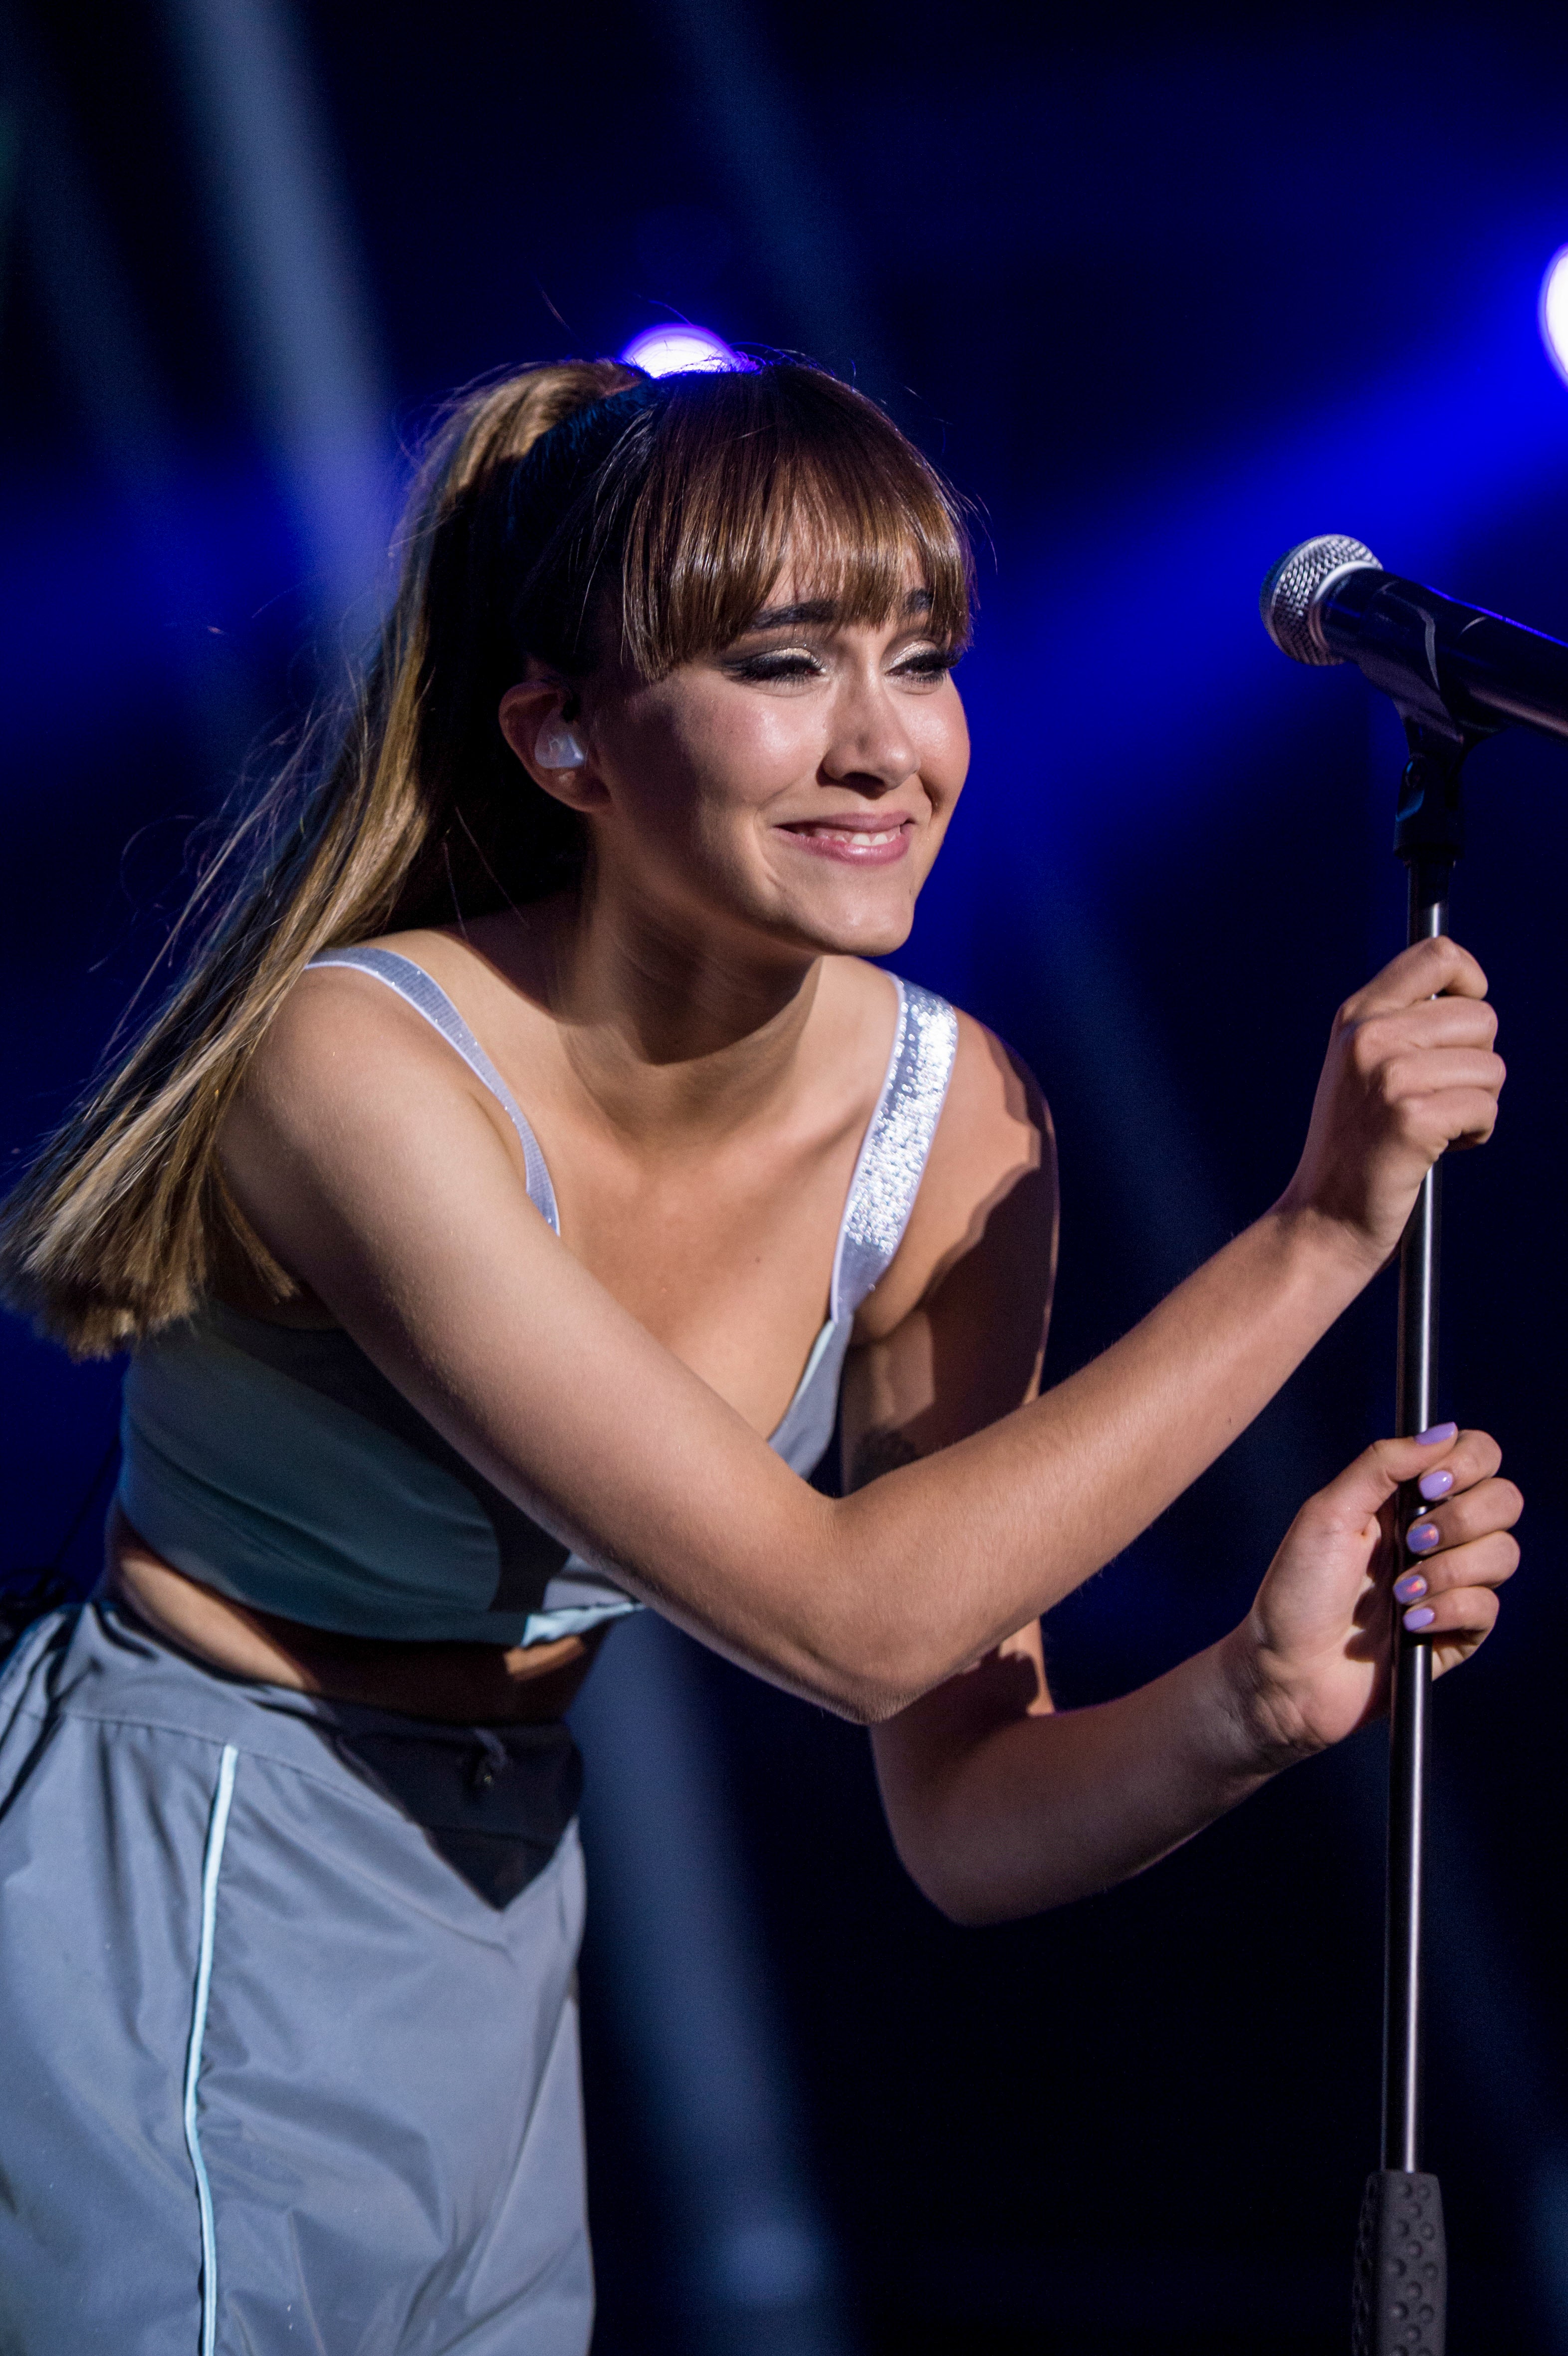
<point x="676" y="1030"/>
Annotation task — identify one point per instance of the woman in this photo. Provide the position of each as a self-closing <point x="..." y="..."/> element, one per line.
<point x="527" y="1122"/>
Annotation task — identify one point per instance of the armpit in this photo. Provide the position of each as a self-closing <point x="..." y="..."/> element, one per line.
<point x="879" y="1453"/>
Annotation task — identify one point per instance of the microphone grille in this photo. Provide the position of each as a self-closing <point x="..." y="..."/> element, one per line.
<point x="1293" y="585"/>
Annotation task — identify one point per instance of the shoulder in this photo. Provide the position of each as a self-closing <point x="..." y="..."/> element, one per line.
<point x="994" y="1146"/>
<point x="343" y="1051"/>
<point x="335" y="1026"/>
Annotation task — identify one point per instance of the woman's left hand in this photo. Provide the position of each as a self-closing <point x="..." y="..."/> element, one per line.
<point x="1311" y="1659"/>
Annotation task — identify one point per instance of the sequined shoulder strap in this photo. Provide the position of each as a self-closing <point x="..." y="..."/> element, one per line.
<point x="427" y="998"/>
<point x="892" y="1158"/>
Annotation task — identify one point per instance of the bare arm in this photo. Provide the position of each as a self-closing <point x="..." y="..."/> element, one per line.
<point x="380" y="1175"/>
<point x="1001" y="1807"/>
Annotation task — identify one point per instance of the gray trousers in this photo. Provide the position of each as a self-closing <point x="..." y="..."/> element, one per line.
<point x="288" y="2022"/>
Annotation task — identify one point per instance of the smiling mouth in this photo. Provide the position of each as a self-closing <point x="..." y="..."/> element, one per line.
<point x="865" y="842"/>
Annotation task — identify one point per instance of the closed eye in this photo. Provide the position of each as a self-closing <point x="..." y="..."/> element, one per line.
<point x="776" y="663"/>
<point x="926" y="664"/>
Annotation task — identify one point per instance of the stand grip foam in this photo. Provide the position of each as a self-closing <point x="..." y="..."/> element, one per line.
<point x="1400" y="2299"/>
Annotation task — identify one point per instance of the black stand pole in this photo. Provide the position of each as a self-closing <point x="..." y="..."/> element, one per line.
<point x="1401" y="2292"/>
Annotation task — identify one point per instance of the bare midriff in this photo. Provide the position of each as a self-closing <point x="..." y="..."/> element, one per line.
<point x="465" y="1685"/>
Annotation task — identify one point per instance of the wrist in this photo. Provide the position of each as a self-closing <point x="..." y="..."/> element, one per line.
<point x="1329" y="1250"/>
<point x="1273" y="1729"/>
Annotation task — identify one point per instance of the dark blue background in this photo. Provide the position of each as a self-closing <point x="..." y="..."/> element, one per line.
<point x="1162" y="294"/>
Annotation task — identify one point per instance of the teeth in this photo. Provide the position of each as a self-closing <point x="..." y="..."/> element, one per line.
<point x="854" y="834"/>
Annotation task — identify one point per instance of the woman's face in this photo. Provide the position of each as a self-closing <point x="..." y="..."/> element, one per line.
<point x="795" y="785"/>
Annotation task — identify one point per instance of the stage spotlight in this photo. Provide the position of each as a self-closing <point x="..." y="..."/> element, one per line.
<point x="1554" y="311"/>
<point x="675" y="350"/>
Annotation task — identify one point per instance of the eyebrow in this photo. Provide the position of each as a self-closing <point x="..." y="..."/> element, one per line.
<point x="822" y="611"/>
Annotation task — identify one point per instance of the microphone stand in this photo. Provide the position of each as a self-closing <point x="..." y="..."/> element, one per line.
<point x="1401" y="2289"/>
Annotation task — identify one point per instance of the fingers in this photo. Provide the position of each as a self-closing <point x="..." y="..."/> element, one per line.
<point x="1425" y="1053"/>
<point x="1491" y="1504"/>
<point x="1488" y="1561"/>
<point x="1426" y="1021"/>
<point x="1458" y="1473"/>
<point x="1411" y="1070"/>
<point x="1365" y="1487"/>
<point x="1463" y="1552"/>
<point x="1426" y="969"/>
<point x="1432" y="1059"/>
<point x="1465" y="1616"/>
<point x="1443" y="1098"/>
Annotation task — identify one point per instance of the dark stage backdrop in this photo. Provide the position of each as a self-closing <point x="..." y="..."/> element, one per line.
<point x="1163" y="293"/>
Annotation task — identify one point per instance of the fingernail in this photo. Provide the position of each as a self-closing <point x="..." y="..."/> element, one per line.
<point x="1411" y="1588"/>
<point x="1433" y="1485"/>
<point x="1421" y="1618"/>
<point x="1437" y="1435"/>
<point x="1422" y="1536"/>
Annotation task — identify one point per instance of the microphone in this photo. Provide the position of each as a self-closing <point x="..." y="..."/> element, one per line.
<point x="1455" y="668"/>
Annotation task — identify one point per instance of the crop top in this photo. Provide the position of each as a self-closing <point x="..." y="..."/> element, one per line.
<point x="279" y="1466"/>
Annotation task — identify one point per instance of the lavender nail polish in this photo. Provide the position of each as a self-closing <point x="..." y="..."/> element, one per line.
<point x="1422" y="1536"/>
<point x="1436" y="1434"/>
<point x="1433" y="1485"/>
<point x="1411" y="1588"/>
<point x="1421" y="1618"/>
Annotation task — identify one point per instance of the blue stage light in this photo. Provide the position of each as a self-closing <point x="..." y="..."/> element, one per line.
<point x="676" y="349"/>
<point x="1554" y="311"/>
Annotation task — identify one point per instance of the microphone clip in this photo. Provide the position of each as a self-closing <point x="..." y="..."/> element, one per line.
<point x="1429" y="816"/>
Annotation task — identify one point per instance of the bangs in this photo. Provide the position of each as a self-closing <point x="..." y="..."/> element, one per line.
<point x="743" y="474"/>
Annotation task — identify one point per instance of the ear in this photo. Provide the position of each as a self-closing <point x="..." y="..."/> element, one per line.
<point x="527" y="711"/>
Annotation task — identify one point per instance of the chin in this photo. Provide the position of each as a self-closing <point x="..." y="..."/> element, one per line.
<point x="864" y="932"/>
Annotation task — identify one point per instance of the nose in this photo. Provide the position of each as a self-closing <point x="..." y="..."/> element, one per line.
<point x="869" y="747"/>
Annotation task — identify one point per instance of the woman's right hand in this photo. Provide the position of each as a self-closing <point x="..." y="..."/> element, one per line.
<point x="1411" y="1070"/>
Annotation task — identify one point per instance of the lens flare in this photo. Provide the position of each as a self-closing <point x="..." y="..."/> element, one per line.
<point x="1554" y="311"/>
<point x="675" y="350"/>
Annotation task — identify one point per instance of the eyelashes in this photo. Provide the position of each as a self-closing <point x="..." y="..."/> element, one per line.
<point x="927" y="664"/>
<point x="785" y="664"/>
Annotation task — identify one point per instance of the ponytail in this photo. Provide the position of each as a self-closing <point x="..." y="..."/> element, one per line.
<point x="114" y="1231"/>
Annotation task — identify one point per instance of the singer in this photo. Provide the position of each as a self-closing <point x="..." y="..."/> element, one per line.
<point x="527" y="1170"/>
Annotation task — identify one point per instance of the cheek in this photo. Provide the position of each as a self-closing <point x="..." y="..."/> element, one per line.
<point x="713" y="770"/>
<point x="744" y="752"/>
<point x="943" y="747"/>
<point x="687" y="786"/>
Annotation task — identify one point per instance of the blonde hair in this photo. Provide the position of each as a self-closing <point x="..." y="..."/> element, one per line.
<point x="559" y="500"/>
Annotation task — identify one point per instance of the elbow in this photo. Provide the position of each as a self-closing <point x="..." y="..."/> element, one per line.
<point x="846" y="1640"/>
<point x="858" y="1673"/>
<point x="861" y="1696"/>
<point x="866" y="1647"/>
<point x="879" y="1691"/>
<point x="978" y="1901"/>
<point x="977" y="1872"/>
<point x="872" y="1675"/>
<point x="958" y="1899"/>
<point x="956" y="1874"/>
<point x="868" y="1675"/>
<point x="968" y="1898"/>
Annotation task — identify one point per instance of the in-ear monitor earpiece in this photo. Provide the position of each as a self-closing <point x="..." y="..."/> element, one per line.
<point x="558" y="748"/>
